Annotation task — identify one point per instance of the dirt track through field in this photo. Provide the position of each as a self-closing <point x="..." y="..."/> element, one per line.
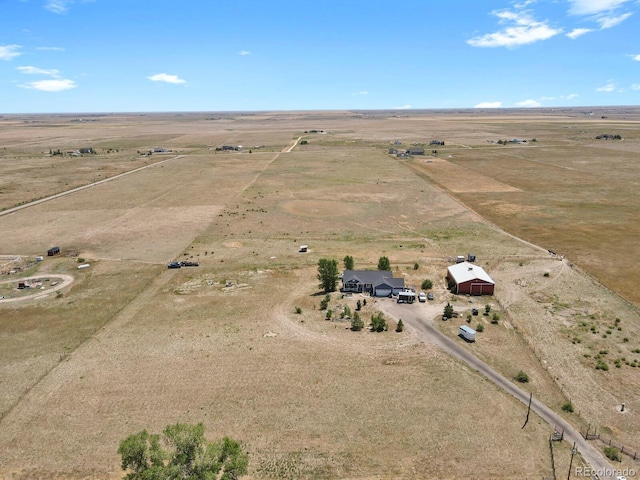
<point x="66" y="281"/>
<point x="83" y="187"/>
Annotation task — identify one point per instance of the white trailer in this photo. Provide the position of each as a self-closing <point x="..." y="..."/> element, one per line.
<point x="469" y="334"/>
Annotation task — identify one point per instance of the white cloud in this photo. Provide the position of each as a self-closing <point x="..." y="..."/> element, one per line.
<point x="523" y="29"/>
<point x="594" y="7"/>
<point x="403" y="107"/>
<point x="571" y="96"/>
<point x="51" y="49"/>
<point x="607" y="13"/>
<point x="636" y="57"/>
<point x="166" y="78"/>
<point x="609" y="87"/>
<point x="50" y="85"/>
<point x="364" y="92"/>
<point x="488" y="105"/>
<point x="9" y="52"/>
<point x="528" y="104"/>
<point x="578" y="32"/>
<point x="28" y="70"/>
<point x="57" y="6"/>
<point x="606" y="21"/>
<point x="244" y="52"/>
<point x="635" y="86"/>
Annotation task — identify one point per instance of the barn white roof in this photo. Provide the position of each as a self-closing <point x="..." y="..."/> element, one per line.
<point x="465" y="271"/>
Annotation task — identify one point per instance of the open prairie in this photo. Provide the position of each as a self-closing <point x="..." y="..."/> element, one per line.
<point x="131" y="344"/>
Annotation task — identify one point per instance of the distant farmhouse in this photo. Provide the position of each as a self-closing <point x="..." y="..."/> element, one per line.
<point x="607" y="136"/>
<point x="415" y="151"/>
<point x="470" y="279"/>
<point x="378" y="283"/>
<point x="229" y="148"/>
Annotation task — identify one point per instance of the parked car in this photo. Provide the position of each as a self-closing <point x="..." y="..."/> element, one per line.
<point x="474" y="311"/>
<point x="429" y="296"/>
<point x="422" y="297"/>
<point x="174" y="265"/>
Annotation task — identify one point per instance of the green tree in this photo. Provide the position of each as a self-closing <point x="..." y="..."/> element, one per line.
<point x="487" y="309"/>
<point x="324" y="303"/>
<point x="568" y="407"/>
<point x="448" y="311"/>
<point x="348" y="262"/>
<point x="328" y="274"/>
<point x="358" y="305"/>
<point x="522" y="377"/>
<point x="182" y="452"/>
<point x="356" y="322"/>
<point x="400" y="326"/>
<point x="378" y="322"/>
<point x="427" y="284"/>
<point x="384" y="264"/>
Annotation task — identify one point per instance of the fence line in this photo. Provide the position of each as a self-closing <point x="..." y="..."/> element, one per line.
<point x="553" y="458"/>
<point x="609" y="442"/>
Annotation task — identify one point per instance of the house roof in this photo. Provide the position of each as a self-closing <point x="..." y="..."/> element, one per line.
<point x="390" y="282"/>
<point x="367" y="276"/>
<point x="465" y="271"/>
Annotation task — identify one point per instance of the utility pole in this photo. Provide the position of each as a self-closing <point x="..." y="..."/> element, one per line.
<point x="573" y="452"/>
<point x="528" y="410"/>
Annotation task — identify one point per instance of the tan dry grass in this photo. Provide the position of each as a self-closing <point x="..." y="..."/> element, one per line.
<point x="310" y="399"/>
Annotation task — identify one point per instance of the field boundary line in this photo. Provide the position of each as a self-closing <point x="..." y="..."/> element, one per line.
<point x="83" y="187"/>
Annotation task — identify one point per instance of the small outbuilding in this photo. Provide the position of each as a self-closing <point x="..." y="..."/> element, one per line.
<point x="303" y="248"/>
<point x="53" y="251"/>
<point x="470" y="279"/>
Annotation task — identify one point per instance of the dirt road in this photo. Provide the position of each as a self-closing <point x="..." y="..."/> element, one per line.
<point x="415" y="318"/>
<point x="77" y="189"/>
<point x="64" y="280"/>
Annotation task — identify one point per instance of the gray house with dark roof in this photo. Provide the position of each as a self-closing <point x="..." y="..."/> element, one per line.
<point x="378" y="283"/>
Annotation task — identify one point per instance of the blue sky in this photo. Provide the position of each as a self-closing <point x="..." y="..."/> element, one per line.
<point x="233" y="55"/>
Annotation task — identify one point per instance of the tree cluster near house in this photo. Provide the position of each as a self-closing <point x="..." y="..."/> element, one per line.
<point x="328" y="274"/>
<point x="384" y="263"/>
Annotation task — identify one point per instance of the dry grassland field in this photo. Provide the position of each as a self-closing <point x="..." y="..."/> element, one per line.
<point x="131" y="345"/>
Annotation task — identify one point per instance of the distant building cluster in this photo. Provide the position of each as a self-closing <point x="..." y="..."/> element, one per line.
<point x="608" y="136"/>
<point x="416" y="149"/>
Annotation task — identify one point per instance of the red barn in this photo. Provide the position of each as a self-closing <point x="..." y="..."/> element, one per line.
<point x="470" y="278"/>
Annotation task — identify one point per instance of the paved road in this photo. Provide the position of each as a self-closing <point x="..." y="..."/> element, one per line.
<point x="415" y="318"/>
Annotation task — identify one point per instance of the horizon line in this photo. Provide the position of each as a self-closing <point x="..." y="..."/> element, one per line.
<point x="448" y="109"/>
